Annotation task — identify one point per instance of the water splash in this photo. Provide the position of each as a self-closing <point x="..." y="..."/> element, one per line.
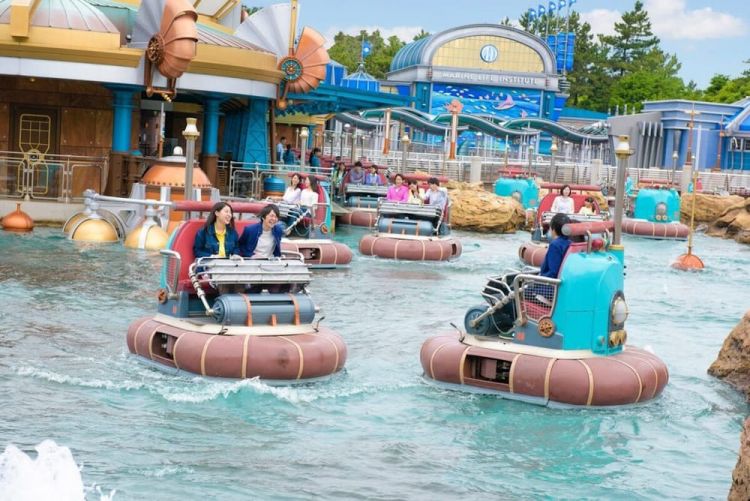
<point x="52" y="475"/>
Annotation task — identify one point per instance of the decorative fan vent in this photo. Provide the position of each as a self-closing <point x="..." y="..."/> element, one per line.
<point x="173" y="48"/>
<point x="305" y="68"/>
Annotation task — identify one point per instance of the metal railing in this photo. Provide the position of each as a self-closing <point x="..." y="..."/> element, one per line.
<point x="62" y="178"/>
<point x="246" y="179"/>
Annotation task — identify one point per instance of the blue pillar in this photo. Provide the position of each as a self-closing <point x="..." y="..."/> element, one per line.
<point x="254" y="133"/>
<point x="123" y="118"/>
<point x="211" y="126"/>
<point x="310" y="137"/>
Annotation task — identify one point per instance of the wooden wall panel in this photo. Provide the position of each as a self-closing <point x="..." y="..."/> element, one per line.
<point x="104" y="123"/>
<point x="4" y="126"/>
<point x="77" y="128"/>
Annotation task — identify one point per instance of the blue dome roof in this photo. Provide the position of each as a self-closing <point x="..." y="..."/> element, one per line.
<point x="361" y="80"/>
<point x="410" y="54"/>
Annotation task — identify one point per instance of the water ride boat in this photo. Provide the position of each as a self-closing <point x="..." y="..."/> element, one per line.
<point x="552" y="341"/>
<point x="515" y="182"/>
<point x="532" y="252"/>
<point x="411" y="232"/>
<point x="656" y="215"/>
<point x="267" y="329"/>
<point x="362" y="201"/>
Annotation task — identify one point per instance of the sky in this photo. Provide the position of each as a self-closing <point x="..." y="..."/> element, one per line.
<point x="708" y="37"/>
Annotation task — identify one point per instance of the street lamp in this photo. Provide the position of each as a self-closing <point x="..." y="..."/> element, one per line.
<point x="623" y="152"/>
<point x="553" y="166"/>
<point x="303" y="135"/>
<point x="531" y="154"/>
<point x="355" y="138"/>
<point x="675" y="156"/>
<point x="404" y="146"/>
<point x="341" y="139"/>
<point x="190" y="134"/>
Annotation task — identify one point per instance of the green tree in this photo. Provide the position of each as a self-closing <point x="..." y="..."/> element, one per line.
<point x="346" y="49"/>
<point x="633" y="39"/>
<point x="422" y="34"/>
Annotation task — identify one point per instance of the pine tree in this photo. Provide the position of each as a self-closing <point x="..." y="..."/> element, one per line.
<point x="632" y="41"/>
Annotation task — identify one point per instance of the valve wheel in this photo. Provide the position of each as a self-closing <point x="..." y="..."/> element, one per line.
<point x="546" y="327"/>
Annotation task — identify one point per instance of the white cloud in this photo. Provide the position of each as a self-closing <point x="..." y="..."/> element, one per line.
<point x="405" y="33"/>
<point x="602" y="21"/>
<point x="670" y="19"/>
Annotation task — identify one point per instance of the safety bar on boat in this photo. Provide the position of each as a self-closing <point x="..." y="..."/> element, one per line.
<point x="579" y="218"/>
<point x="173" y="262"/>
<point x="494" y="307"/>
<point x="366" y="189"/>
<point x="237" y="270"/>
<point x="544" y="305"/>
<point x="401" y="208"/>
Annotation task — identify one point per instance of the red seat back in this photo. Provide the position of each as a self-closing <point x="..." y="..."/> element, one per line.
<point x="546" y="204"/>
<point x="183" y="243"/>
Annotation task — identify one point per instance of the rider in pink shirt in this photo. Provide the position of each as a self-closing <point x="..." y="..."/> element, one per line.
<point x="398" y="192"/>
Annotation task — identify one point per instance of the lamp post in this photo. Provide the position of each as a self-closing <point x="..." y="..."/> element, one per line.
<point x="552" y="165"/>
<point x="531" y="155"/>
<point x="341" y="139"/>
<point x="303" y="135"/>
<point x="507" y="146"/>
<point x="404" y="146"/>
<point x="355" y="137"/>
<point x="623" y="152"/>
<point x="190" y="134"/>
<point x="675" y="156"/>
<point x="479" y="141"/>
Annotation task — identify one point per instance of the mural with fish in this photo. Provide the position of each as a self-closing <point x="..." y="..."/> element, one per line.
<point x="500" y="102"/>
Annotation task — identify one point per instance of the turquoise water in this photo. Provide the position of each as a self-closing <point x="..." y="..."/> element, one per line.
<point x="378" y="431"/>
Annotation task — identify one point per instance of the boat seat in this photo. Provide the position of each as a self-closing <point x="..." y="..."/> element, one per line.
<point x="183" y="242"/>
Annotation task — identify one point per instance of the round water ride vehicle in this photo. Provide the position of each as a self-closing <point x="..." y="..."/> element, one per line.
<point x="411" y="232"/>
<point x="308" y="232"/>
<point x="552" y="341"/>
<point x="532" y="252"/>
<point x="515" y="182"/>
<point x="656" y="215"/>
<point x="362" y="201"/>
<point x="203" y="327"/>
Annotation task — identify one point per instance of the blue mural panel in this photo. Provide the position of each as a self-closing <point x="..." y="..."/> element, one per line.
<point x="500" y="102"/>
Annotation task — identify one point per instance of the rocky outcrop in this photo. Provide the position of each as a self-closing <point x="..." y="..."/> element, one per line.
<point x="476" y="209"/>
<point x="707" y="207"/>
<point x="733" y="363"/>
<point x="740" y="490"/>
<point x="734" y="222"/>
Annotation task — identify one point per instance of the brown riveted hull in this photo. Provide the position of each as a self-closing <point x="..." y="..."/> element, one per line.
<point x="413" y="249"/>
<point x="641" y="228"/>
<point x="632" y="376"/>
<point x="532" y="253"/>
<point x="356" y="217"/>
<point x="320" y="254"/>
<point x="291" y="357"/>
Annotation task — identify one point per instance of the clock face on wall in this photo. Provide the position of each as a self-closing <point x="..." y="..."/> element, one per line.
<point x="488" y="53"/>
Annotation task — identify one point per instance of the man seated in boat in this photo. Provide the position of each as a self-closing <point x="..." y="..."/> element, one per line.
<point x="357" y="174"/>
<point x="556" y="251"/>
<point x="372" y="178"/>
<point x="398" y="192"/>
<point x="263" y="241"/>
<point x="217" y="238"/>
<point x="438" y="197"/>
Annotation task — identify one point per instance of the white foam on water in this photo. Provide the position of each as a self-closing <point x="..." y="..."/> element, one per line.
<point x="54" y="377"/>
<point x="52" y="475"/>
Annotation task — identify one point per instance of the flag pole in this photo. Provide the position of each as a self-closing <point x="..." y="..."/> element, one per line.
<point x="567" y="29"/>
